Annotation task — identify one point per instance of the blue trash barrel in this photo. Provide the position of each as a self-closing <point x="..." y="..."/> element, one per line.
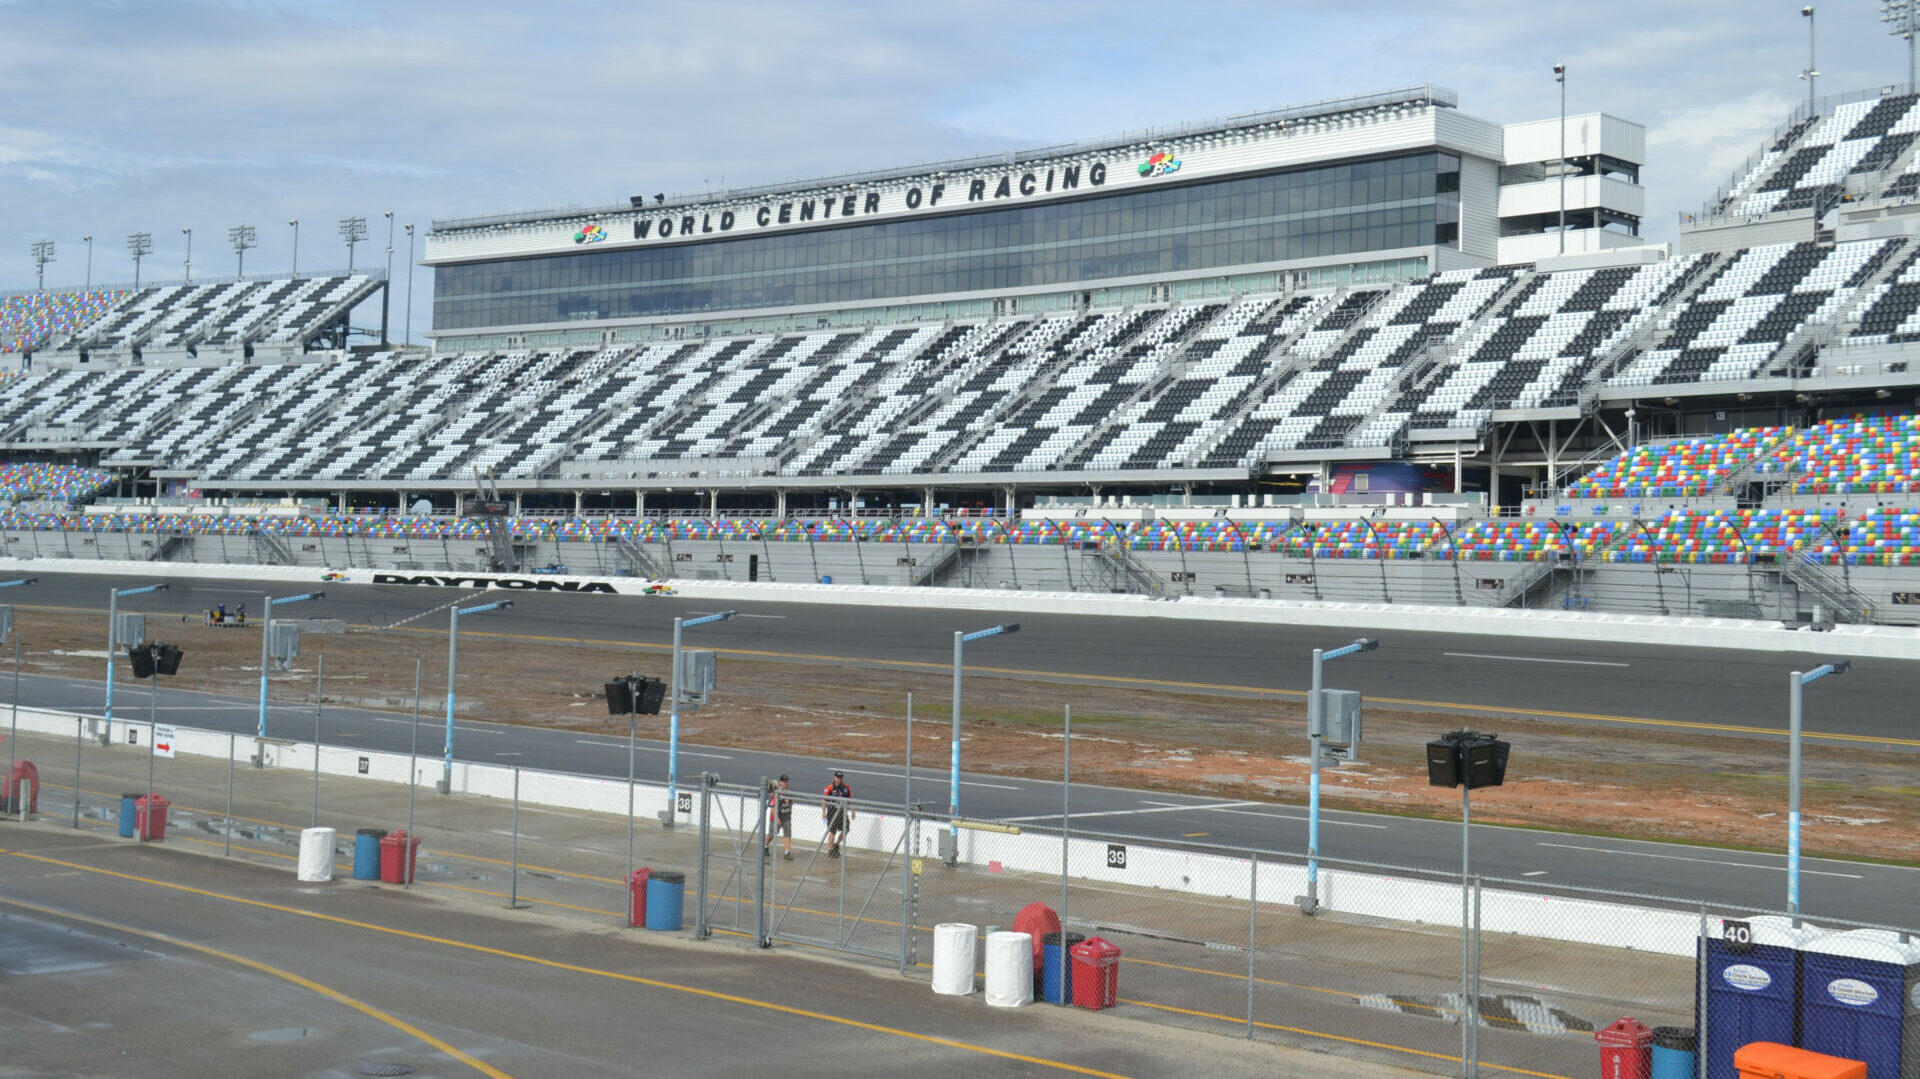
<point x="366" y="853"/>
<point x="826" y="578"/>
<point x="1673" y="1049"/>
<point x="1056" y="967"/>
<point x="127" y="811"/>
<point x="666" y="900"/>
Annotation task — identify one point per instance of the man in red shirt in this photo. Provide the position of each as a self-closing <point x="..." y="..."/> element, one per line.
<point x="837" y="810"/>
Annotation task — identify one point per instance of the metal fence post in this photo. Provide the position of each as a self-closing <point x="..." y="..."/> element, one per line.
<point x="1700" y="988"/>
<point x="319" y="692"/>
<point x="79" y="737"/>
<point x="700" y="928"/>
<point x="1473" y="1011"/>
<point x="906" y="882"/>
<point x="1253" y="924"/>
<point x="761" y="802"/>
<point x="513" y="889"/>
<point x="232" y="740"/>
<point x="1066" y="809"/>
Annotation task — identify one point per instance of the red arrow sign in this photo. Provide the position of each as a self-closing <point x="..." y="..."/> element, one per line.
<point x="164" y="747"/>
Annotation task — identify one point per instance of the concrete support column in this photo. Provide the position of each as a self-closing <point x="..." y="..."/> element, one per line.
<point x="780" y="503"/>
<point x="576" y="502"/>
<point x="713" y="502"/>
<point x="928" y="507"/>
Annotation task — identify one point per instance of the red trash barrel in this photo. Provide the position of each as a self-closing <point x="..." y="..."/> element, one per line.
<point x="1096" y="973"/>
<point x="398" y="852"/>
<point x="23" y="770"/>
<point x="1036" y="920"/>
<point x="637" y="897"/>
<point x="150" y="817"/>
<point x="1626" y="1049"/>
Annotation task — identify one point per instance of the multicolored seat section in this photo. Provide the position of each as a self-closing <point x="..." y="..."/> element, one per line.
<point x="1881" y="536"/>
<point x="1854" y="455"/>
<point x="50" y="483"/>
<point x="30" y="320"/>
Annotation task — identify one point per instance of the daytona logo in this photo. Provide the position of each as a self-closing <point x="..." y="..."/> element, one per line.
<point x="517" y="583"/>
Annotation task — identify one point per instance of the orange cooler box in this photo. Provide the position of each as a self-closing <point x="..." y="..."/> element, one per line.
<point x="1771" y="1060"/>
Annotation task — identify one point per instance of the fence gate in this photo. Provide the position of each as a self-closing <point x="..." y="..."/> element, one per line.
<point x="856" y="902"/>
<point x="731" y="828"/>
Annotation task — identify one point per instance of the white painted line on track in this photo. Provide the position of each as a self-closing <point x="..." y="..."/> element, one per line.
<point x="1703" y="861"/>
<point x="1535" y="873"/>
<point x="1326" y="817"/>
<point x="652" y="749"/>
<point x="1538" y="659"/>
<point x="929" y="779"/>
<point x="1135" y="812"/>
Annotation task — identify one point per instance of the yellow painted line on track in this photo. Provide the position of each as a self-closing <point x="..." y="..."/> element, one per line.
<point x="1211" y="687"/>
<point x="308" y="984"/>
<point x="1241" y="1021"/>
<point x="574" y="968"/>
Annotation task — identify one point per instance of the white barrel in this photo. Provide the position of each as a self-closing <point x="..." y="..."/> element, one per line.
<point x="953" y="958"/>
<point x="1009" y="969"/>
<point x="316" y="854"/>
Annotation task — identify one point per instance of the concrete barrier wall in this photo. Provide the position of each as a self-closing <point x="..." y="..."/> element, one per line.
<point x="1219" y="876"/>
<point x="1883" y="642"/>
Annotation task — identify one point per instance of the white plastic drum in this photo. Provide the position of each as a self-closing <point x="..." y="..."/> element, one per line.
<point x="953" y="958"/>
<point x="316" y="854"/>
<point x="1009" y="969"/>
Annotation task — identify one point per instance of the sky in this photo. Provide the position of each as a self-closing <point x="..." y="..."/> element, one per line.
<point x="121" y="116"/>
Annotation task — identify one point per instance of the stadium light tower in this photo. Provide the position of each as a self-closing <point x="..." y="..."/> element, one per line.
<point x="409" y="331"/>
<point x="1560" y="76"/>
<point x="1903" y="19"/>
<point x="386" y="292"/>
<point x="188" y="233"/>
<point x="241" y="237"/>
<point x="139" y="244"/>
<point x="41" y="251"/>
<point x="1810" y="74"/>
<point x="296" y="248"/>
<point x="353" y="230"/>
<point x="88" y="240"/>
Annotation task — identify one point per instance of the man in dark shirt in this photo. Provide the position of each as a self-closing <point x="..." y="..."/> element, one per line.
<point x="780" y="820"/>
<point x="837" y="812"/>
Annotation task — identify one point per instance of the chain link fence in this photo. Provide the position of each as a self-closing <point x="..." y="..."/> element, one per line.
<point x="1414" y="967"/>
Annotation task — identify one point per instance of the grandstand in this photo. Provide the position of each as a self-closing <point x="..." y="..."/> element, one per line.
<point x="1613" y="419"/>
<point x="222" y="319"/>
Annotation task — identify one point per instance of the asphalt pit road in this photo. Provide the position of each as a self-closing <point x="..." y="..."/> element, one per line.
<point x="386" y="1069"/>
<point x="30" y="946"/>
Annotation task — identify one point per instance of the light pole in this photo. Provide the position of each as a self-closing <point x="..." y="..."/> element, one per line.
<point x="353" y="230"/>
<point x="453" y="666"/>
<point x="953" y="769"/>
<point x="266" y="635"/>
<point x="41" y="252"/>
<point x="296" y="247"/>
<point x="241" y="237"/>
<point x="1902" y="18"/>
<point x="88" y="240"/>
<point x="673" y="708"/>
<point x="1560" y="76"/>
<point x="139" y="244"/>
<point x="409" y="331"/>
<point x="1796" y="682"/>
<point x="1316" y="731"/>
<point x="188" y="233"/>
<point x="113" y="645"/>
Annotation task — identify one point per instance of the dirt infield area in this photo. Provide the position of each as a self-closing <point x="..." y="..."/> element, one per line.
<point x="1860" y="800"/>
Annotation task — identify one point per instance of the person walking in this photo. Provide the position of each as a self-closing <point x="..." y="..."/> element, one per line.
<point x="780" y="819"/>
<point x="837" y="810"/>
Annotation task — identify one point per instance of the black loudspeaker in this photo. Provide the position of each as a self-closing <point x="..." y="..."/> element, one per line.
<point x="619" y="698"/>
<point x="1443" y="763"/>
<point x="167" y="660"/>
<point x="142" y="658"/>
<point x="1486" y="762"/>
<point x="653" y="694"/>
